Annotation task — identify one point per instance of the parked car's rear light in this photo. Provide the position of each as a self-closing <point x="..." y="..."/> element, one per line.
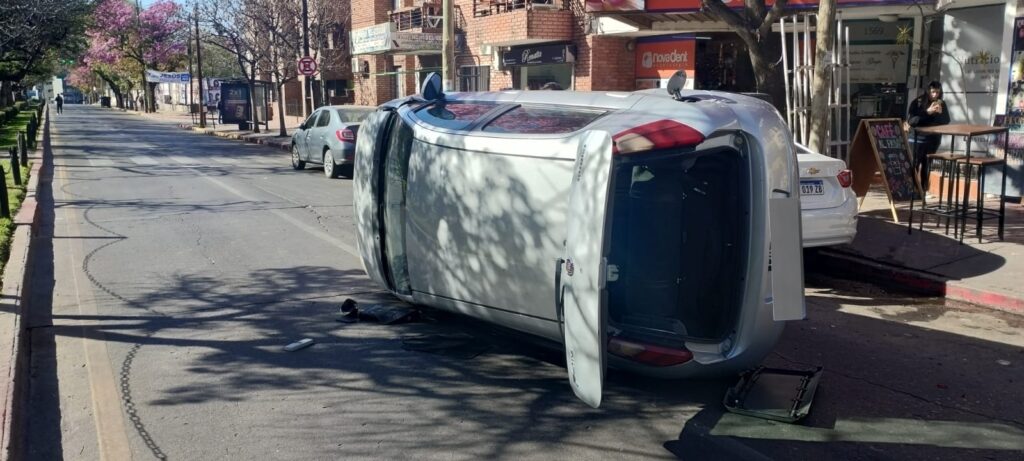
<point x="345" y="135"/>
<point x="648" y="354"/>
<point x="845" y="178"/>
<point x="662" y="134"/>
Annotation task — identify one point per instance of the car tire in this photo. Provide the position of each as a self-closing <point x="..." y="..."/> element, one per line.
<point x="330" y="169"/>
<point x="297" y="163"/>
<point x="346" y="170"/>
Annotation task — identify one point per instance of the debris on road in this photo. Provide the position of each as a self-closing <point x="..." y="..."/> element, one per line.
<point x="388" y="314"/>
<point x="459" y="345"/>
<point x="1004" y="363"/>
<point x="775" y="394"/>
<point x="300" y="344"/>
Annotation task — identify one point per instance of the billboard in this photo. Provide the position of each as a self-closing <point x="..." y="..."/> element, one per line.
<point x="236" y="102"/>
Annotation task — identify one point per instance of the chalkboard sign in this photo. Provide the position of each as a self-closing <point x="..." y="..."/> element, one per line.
<point x="881" y="145"/>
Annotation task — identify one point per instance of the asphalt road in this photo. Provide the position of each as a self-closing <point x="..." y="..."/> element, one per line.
<point x="174" y="267"/>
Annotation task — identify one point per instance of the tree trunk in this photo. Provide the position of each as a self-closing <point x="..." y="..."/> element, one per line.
<point x="5" y="93"/>
<point x="764" y="58"/>
<point x="252" y="105"/>
<point x="820" y="113"/>
<point x="280" y="110"/>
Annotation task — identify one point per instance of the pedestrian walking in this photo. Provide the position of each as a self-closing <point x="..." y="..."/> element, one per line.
<point x="220" y="109"/>
<point x="927" y="110"/>
<point x="60" y="103"/>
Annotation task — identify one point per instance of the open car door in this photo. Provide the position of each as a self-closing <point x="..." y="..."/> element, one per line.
<point x="786" y="257"/>
<point x="580" y="275"/>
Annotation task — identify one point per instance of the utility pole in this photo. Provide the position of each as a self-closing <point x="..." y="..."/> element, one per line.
<point x="199" y="72"/>
<point x="307" y="88"/>
<point x="448" y="45"/>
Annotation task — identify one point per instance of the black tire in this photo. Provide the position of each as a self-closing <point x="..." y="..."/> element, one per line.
<point x="346" y="170"/>
<point x="297" y="164"/>
<point x="330" y="169"/>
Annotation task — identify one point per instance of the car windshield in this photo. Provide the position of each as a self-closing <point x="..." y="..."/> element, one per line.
<point x="353" y="115"/>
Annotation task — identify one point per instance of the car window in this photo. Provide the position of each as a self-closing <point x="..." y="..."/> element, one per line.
<point x="353" y="115"/>
<point x="310" y="121"/>
<point x="325" y="118"/>
<point x="542" y="120"/>
<point x="453" y="116"/>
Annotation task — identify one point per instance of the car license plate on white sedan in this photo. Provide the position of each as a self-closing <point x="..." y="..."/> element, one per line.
<point x="812" y="187"/>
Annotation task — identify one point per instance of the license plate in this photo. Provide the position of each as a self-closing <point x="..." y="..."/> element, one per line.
<point x="815" y="187"/>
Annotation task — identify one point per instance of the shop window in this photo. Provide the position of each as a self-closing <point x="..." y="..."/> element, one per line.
<point x="474" y="78"/>
<point x="538" y="120"/>
<point x="453" y="116"/>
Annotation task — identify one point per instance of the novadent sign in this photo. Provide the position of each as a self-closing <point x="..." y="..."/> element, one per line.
<point x="660" y="57"/>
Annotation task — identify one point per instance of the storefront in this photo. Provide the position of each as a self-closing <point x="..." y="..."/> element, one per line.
<point x="534" y="66"/>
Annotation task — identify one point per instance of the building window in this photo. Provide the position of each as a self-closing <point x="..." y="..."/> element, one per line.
<point x="336" y="88"/>
<point x="338" y="37"/>
<point x="474" y="78"/>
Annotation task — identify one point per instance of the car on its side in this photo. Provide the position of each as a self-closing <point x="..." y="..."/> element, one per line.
<point x="653" y="232"/>
<point x="328" y="137"/>
<point x="828" y="205"/>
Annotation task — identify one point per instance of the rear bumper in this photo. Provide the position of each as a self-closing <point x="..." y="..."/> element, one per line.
<point x="830" y="226"/>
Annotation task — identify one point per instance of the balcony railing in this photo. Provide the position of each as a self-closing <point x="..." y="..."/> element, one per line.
<point x="489" y="7"/>
<point x="426" y="17"/>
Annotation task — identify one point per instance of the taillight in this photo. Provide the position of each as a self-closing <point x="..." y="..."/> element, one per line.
<point x="648" y="354"/>
<point x="845" y="178"/>
<point x="662" y="134"/>
<point x="345" y="135"/>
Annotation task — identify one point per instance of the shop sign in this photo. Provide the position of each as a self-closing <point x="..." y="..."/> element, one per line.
<point x="373" y="39"/>
<point x="660" y="58"/>
<point x="879" y="63"/>
<point x="412" y="42"/>
<point x="695" y="5"/>
<point x="971" y="53"/>
<point x="544" y="54"/>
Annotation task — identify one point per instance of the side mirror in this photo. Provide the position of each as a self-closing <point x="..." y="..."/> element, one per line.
<point x="676" y="83"/>
<point x="432" y="89"/>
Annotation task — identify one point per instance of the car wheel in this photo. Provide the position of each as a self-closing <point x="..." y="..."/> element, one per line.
<point x="297" y="163"/>
<point x="330" y="169"/>
<point x="345" y="170"/>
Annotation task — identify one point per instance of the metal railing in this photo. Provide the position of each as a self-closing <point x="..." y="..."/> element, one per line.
<point x="426" y="17"/>
<point x="491" y="7"/>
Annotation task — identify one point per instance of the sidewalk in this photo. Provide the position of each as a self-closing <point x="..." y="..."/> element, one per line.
<point x="930" y="262"/>
<point x="267" y="137"/>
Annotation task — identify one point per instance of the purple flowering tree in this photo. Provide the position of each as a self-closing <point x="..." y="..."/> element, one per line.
<point x="123" y="39"/>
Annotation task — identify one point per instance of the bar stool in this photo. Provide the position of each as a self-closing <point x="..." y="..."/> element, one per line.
<point x="948" y="176"/>
<point x="980" y="212"/>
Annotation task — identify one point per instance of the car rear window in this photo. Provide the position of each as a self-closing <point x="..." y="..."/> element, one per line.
<point x="453" y="115"/>
<point x="542" y="120"/>
<point x="353" y="116"/>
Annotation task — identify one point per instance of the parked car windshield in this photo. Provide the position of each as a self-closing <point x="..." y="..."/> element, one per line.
<point x="353" y="115"/>
<point x="453" y="115"/>
<point x="542" y="120"/>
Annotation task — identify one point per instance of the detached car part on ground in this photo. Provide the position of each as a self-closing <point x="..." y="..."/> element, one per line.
<point x="648" y="232"/>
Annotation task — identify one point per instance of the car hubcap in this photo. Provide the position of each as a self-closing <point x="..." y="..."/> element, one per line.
<point x="328" y="163"/>
<point x="295" y="156"/>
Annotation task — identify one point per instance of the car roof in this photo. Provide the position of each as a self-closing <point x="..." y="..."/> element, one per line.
<point x="351" y="107"/>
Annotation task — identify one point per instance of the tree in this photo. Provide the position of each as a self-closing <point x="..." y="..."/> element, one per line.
<point x="154" y="38"/>
<point x="234" y="28"/>
<point x="34" y="36"/>
<point x="281" y="44"/>
<point x="753" y="24"/>
<point x="820" y="112"/>
<point x="329" y="24"/>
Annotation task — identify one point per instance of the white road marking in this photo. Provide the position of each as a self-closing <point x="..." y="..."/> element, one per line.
<point x="185" y="160"/>
<point x="144" y="160"/>
<point x="101" y="162"/>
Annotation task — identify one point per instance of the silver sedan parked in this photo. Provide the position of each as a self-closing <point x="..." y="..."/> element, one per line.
<point x="328" y="137"/>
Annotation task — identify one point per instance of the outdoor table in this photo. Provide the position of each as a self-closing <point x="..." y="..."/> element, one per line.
<point x="958" y="210"/>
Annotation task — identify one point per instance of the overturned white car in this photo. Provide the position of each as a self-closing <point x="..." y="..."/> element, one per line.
<point x="650" y="231"/>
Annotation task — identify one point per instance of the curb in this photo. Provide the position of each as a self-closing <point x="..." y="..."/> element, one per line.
<point x="906" y="280"/>
<point x="17" y="283"/>
<point x="283" y="145"/>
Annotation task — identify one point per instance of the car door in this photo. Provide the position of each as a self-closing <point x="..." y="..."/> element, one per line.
<point x="580" y="275"/>
<point x="367" y="191"/>
<point x="785" y="250"/>
<point x="304" y="129"/>
<point x="315" y="138"/>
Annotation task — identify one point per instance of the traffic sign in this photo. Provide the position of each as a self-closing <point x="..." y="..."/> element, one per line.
<point x="307" y="66"/>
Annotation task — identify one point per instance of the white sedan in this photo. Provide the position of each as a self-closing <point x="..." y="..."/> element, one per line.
<point x="828" y="206"/>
